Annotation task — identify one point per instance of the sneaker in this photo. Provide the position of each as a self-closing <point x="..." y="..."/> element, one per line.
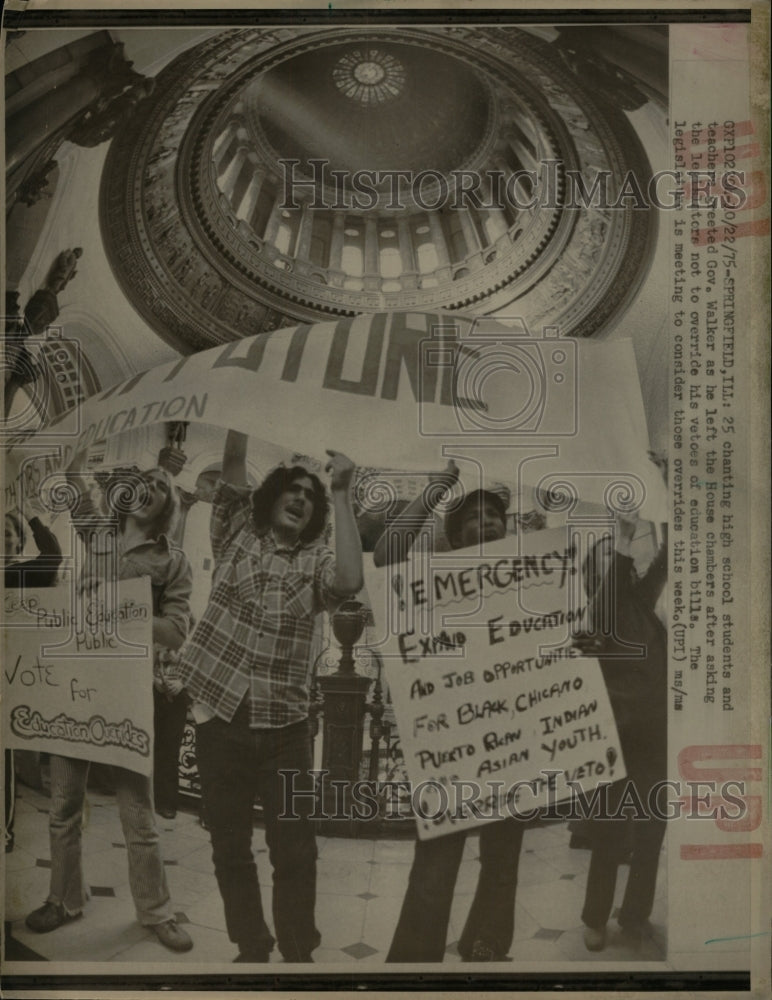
<point x="167" y="813"/>
<point x="49" y="916"/>
<point x="595" y="938"/>
<point x="172" y="936"/>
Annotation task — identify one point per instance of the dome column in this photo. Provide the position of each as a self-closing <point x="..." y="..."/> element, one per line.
<point x="337" y="276"/>
<point x="472" y="239"/>
<point x="409" y="277"/>
<point x="372" y="275"/>
<point x="228" y="180"/>
<point x="443" y="271"/>
<point x="305" y="230"/>
<point x="248" y="202"/>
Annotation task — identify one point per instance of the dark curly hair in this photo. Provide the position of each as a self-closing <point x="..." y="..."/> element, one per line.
<point x="272" y="487"/>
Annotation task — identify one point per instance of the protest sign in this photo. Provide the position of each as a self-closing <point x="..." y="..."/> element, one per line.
<point x="487" y="689"/>
<point x="78" y="678"/>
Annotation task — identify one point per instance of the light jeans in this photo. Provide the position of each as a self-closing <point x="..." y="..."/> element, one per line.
<point x="134" y="793"/>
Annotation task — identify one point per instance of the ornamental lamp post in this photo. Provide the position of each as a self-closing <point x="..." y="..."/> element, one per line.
<point x="344" y="695"/>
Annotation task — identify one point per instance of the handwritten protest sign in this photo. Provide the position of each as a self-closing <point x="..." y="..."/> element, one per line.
<point x="78" y="676"/>
<point x="429" y="379"/>
<point x="487" y="689"/>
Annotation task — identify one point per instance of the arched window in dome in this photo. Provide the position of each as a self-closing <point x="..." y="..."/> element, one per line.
<point x="353" y="256"/>
<point x="287" y="231"/>
<point x="494" y="225"/>
<point x="454" y="235"/>
<point x="321" y="234"/>
<point x="390" y="262"/>
<point x="389" y="257"/>
<point x="425" y="250"/>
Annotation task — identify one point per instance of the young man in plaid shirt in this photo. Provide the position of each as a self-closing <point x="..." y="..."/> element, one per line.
<point x="247" y="667"/>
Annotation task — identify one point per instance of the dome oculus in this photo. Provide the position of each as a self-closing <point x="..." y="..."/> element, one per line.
<point x="369" y="76"/>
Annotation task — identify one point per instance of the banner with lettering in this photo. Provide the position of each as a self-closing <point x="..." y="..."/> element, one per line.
<point x="78" y="675"/>
<point x="493" y="703"/>
<point x="571" y="409"/>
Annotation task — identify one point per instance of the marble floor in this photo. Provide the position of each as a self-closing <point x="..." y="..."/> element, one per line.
<point x="361" y="883"/>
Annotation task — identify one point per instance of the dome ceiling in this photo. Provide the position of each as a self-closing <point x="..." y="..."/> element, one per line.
<point x="203" y="237"/>
<point x="372" y="105"/>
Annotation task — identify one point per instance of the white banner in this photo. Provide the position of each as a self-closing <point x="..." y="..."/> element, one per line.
<point x="78" y="681"/>
<point x="486" y="685"/>
<point x="567" y="413"/>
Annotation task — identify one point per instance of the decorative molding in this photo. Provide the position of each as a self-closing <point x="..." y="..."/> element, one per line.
<point x="201" y="277"/>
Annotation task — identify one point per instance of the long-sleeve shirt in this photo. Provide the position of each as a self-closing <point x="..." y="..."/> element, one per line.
<point x="255" y="636"/>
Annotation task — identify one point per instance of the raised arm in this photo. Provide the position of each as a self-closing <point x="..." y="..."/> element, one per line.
<point x="397" y="540"/>
<point x="234" y="459"/>
<point x="348" y="545"/>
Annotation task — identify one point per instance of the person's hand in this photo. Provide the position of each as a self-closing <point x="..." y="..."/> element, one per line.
<point x="626" y="525"/>
<point x="659" y="458"/>
<point x="587" y="643"/>
<point x="34" y="507"/>
<point x="448" y="477"/>
<point x="173" y="686"/>
<point x="341" y="470"/>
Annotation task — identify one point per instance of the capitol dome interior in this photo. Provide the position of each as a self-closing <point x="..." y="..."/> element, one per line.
<point x="173" y="191"/>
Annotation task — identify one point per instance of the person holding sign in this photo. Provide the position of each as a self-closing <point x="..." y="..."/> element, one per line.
<point x="622" y="617"/>
<point x="39" y="571"/>
<point x="139" y="547"/>
<point x="422" y="929"/>
<point x="247" y="668"/>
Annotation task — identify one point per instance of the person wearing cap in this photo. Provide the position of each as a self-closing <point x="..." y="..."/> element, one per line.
<point x="421" y="931"/>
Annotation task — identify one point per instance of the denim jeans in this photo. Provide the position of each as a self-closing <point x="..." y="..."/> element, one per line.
<point x="423" y="922"/>
<point x="236" y="764"/>
<point x="134" y="792"/>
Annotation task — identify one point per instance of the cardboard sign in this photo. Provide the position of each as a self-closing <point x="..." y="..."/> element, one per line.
<point x="493" y="703"/>
<point x="78" y="675"/>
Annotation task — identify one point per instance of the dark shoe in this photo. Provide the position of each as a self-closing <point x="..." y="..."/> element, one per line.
<point x="167" y="813"/>
<point x="595" y="938"/>
<point x="172" y="936"/>
<point x="49" y="916"/>
<point x="251" y="956"/>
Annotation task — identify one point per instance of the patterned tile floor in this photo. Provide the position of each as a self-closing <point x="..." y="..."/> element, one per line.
<point x="360" y="888"/>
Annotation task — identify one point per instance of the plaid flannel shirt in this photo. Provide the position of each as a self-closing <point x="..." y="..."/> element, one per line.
<point x="255" y="636"/>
